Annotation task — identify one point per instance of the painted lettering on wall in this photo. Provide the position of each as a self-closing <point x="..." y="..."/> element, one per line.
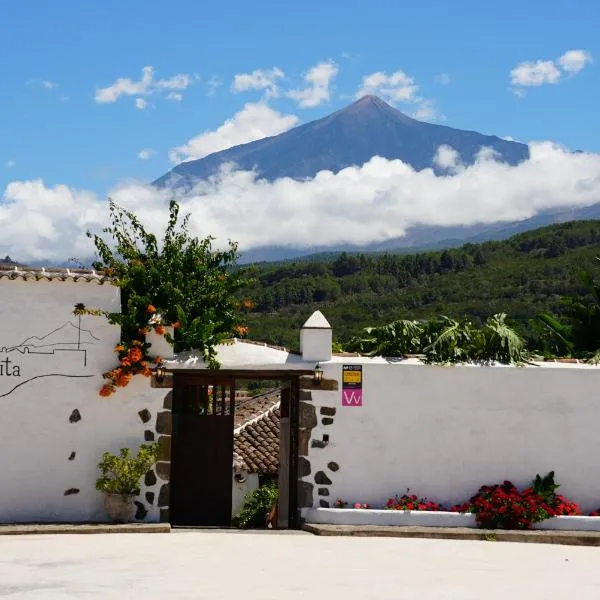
<point x="9" y="369"/>
<point x="352" y="385"/>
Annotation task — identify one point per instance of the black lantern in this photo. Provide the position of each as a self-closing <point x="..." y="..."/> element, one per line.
<point x="159" y="372"/>
<point x="317" y="374"/>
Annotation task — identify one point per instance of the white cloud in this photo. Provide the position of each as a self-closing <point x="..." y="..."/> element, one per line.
<point x="254" y="122"/>
<point x="535" y="73"/>
<point x="393" y="88"/>
<point x="146" y="153"/>
<point x="358" y="205"/>
<point x="442" y="78"/>
<point x="259" y="79"/>
<point x="175" y="96"/>
<point x="573" y="61"/>
<point x="10" y="163"/>
<point x="45" y="83"/>
<point x="542" y="72"/>
<point x="426" y="111"/>
<point x="318" y="79"/>
<point x="213" y="84"/>
<point x="147" y="85"/>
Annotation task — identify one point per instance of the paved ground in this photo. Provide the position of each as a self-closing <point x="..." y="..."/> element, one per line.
<point x="245" y="566"/>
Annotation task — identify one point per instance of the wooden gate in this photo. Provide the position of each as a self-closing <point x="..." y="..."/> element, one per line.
<point x="202" y="451"/>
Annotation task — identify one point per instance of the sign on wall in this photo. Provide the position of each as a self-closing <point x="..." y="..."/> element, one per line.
<point x="352" y="385"/>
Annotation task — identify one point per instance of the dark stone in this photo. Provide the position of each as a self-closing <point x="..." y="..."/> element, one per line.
<point x="148" y="435"/>
<point x="328" y="385"/>
<point x="323" y="492"/>
<point x="328" y="411"/>
<point x="306" y="396"/>
<point x="75" y="416"/>
<point x="164" y="423"/>
<point x="164" y="495"/>
<point x="305" y="494"/>
<point x="72" y="455"/>
<point x="164" y="448"/>
<point x="163" y="470"/>
<point x="308" y="416"/>
<point x="150" y="478"/>
<point x="150" y="498"/>
<point x="321" y="478"/>
<point x="145" y="415"/>
<point x="303" y="467"/>
<point x="333" y="466"/>
<point x="141" y="512"/>
<point x="323" y="504"/>
<point x="318" y="444"/>
<point x="327" y="421"/>
<point x="165" y="516"/>
<point x="71" y="491"/>
<point x="168" y="403"/>
<point x="303" y="439"/>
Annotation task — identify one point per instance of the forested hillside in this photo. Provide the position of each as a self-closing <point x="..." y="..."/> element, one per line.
<point x="522" y="276"/>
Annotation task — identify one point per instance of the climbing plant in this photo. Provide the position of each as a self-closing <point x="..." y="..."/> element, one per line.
<point x="180" y="280"/>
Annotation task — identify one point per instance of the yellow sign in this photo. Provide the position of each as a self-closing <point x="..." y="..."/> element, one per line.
<point x="352" y="376"/>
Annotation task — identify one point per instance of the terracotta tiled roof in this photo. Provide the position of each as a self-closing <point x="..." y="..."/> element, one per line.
<point x="256" y="443"/>
<point x="247" y="409"/>
<point x="9" y="271"/>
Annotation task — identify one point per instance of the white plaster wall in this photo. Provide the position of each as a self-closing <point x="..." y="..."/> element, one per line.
<point x="444" y="431"/>
<point x="36" y="437"/>
<point x="240" y="490"/>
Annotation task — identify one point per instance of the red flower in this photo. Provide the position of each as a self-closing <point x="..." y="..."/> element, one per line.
<point x="151" y="309"/>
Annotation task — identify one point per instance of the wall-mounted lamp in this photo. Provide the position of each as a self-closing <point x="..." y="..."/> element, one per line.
<point x="317" y="374"/>
<point x="239" y="478"/>
<point x="160" y="372"/>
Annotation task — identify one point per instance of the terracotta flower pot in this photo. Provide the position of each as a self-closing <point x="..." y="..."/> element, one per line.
<point x="119" y="508"/>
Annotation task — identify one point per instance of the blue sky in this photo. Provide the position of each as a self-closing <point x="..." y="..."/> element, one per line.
<point x="56" y="55"/>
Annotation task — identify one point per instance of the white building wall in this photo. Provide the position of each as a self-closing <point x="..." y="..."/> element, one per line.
<point x="43" y="455"/>
<point x="444" y="431"/>
<point x="241" y="489"/>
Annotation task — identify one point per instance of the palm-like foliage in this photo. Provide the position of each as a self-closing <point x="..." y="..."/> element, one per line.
<point x="579" y="329"/>
<point x="396" y="339"/>
<point x="444" y="340"/>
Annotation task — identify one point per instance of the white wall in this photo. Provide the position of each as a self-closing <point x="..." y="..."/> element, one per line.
<point x="36" y="437"/>
<point x="240" y="490"/>
<point x="444" y="431"/>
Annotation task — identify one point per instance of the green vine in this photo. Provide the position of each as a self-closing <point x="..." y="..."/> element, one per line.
<point x="180" y="281"/>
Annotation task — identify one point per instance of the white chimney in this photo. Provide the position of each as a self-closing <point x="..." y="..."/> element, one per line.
<point x="316" y="338"/>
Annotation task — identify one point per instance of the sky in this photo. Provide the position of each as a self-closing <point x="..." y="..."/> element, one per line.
<point x="102" y="98"/>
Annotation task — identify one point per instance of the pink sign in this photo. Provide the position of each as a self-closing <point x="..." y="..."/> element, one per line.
<point x="352" y="397"/>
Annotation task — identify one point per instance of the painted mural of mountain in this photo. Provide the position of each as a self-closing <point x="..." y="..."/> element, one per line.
<point x="351" y="136"/>
<point x="67" y="336"/>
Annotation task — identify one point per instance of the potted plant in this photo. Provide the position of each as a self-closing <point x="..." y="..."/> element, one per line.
<point x="120" y="480"/>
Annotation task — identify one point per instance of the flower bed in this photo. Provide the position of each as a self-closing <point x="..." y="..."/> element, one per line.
<point x="499" y="506"/>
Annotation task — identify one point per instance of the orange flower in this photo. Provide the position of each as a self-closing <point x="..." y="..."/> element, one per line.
<point x="247" y="303"/>
<point x="119" y="348"/>
<point x="123" y="380"/>
<point x="146" y="372"/>
<point x="176" y="325"/>
<point x="160" y="330"/>
<point x="151" y="309"/>
<point x="142" y="331"/>
<point x="157" y="359"/>
<point x="106" y="390"/>
<point x="240" y="330"/>
<point x="136" y="343"/>
<point x="126" y="362"/>
<point x="135" y="355"/>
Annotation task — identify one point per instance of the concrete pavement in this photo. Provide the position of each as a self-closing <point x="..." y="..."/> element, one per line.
<point x="247" y="566"/>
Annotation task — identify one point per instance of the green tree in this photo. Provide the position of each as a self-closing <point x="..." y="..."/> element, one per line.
<point x="182" y="279"/>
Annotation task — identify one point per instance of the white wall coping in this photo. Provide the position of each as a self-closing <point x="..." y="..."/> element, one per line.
<point x="422" y="518"/>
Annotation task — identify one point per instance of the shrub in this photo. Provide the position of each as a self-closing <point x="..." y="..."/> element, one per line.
<point x="121" y="474"/>
<point x="412" y="502"/>
<point x="503" y="506"/>
<point x="257" y="506"/>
